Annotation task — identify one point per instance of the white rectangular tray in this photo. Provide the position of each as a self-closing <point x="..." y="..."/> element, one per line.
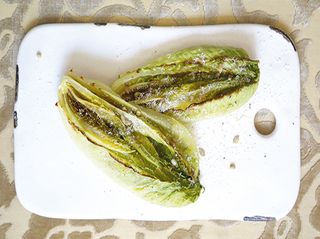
<point x="55" y="179"/>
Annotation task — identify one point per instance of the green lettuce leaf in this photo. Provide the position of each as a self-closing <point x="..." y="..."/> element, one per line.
<point x="150" y="153"/>
<point x="193" y="83"/>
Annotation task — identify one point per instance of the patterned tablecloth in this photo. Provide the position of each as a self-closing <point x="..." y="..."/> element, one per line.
<point x="299" y="18"/>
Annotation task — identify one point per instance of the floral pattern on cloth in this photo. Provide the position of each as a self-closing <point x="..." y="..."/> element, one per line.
<point x="300" y="18"/>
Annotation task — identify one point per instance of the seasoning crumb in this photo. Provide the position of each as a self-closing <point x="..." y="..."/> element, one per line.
<point x="202" y="152"/>
<point x="138" y="113"/>
<point x="56" y="104"/>
<point x="236" y="139"/>
<point x="265" y="156"/>
<point x="232" y="165"/>
<point x="174" y="162"/>
<point x="39" y="54"/>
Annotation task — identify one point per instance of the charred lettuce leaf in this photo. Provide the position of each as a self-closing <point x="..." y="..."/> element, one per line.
<point x="193" y="83"/>
<point x="151" y="153"/>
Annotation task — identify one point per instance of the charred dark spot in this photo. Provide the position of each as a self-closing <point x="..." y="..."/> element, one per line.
<point x="129" y="167"/>
<point x="219" y="95"/>
<point x="285" y="36"/>
<point x="144" y="27"/>
<point x="100" y="23"/>
<point x="258" y="218"/>
<point x="15" y="119"/>
<point x="157" y="83"/>
<point x="227" y="92"/>
<point x="132" y="25"/>
<point x="149" y="85"/>
<point x="17" y="83"/>
<point x="76" y="128"/>
<point x="90" y="117"/>
<point x="218" y="58"/>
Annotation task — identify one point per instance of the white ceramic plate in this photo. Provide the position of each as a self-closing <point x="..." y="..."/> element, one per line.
<point x="55" y="179"/>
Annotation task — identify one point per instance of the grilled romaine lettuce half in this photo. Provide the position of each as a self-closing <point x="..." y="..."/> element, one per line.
<point x="151" y="153"/>
<point x="193" y="83"/>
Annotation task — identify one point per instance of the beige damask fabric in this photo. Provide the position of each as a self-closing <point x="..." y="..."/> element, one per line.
<point x="299" y="18"/>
